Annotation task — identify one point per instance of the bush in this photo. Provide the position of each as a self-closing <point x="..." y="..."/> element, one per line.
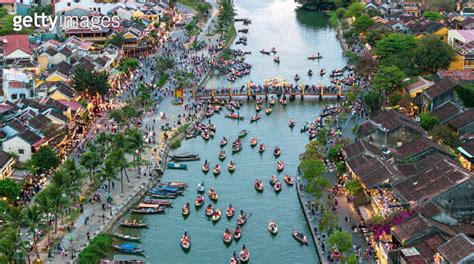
<point x="428" y="121"/>
<point x="176" y="144"/>
<point x="96" y="250"/>
<point x="395" y="98"/>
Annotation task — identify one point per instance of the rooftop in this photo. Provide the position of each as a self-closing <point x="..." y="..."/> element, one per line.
<point x="458" y="249"/>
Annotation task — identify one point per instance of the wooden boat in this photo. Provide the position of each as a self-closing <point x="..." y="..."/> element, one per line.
<point x="253" y="142"/>
<point x="236" y="148"/>
<point x="244" y="30"/>
<point x="147" y="210"/>
<point x="272" y="101"/>
<point x="231" y="166"/>
<point x="273" y="50"/>
<point x="272" y="228"/>
<point x="288" y="179"/>
<point x="243" y="217"/>
<point x="265" y="52"/>
<point x="205" y="136"/>
<point x="268" y="111"/>
<point x="216" y="215"/>
<point x="128" y="248"/>
<point x="300" y="237"/>
<point x="176" y="166"/>
<point x="205" y="167"/>
<point x="276" y="59"/>
<point x="258" y="185"/>
<point x="283" y="101"/>
<point x="223" y="142"/>
<point x="217" y="170"/>
<point x="310" y="73"/>
<point x="277" y="152"/>
<point x="185" y="211"/>
<point x="277" y="187"/>
<point x="163" y="195"/>
<point x="174" y="184"/>
<point x="235" y="116"/>
<point x="213" y="195"/>
<point x="272" y="180"/>
<point x="201" y="188"/>
<point x="237" y="233"/>
<point x="322" y="72"/>
<point x="185" y="241"/>
<point x="127" y="237"/>
<point x="280" y="166"/>
<point x="149" y="200"/>
<point x="212" y="127"/>
<point x="134" y="223"/>
<point x="234" y="259"/>
<point x="258" y="108"/>
<point x="209" y="210"/>
<point x="315" y="57"/>
<point x="230" y="211"/>
<point x="291" y="123"/>
<point x="254" y="118"/>
<point x="199" y="201"/>
<point x="227" y="238"/>
<point x="185" y="157"/>
<point x="243" y="133"/>
<point x="222" y="155"/>
<point x="297" y="77"/>
<point x="244" y="255"/>
<point x="261" y="148"/>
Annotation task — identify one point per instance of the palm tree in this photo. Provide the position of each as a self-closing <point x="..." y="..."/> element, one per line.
<point x="15" y="218"/>
<point x="90" y="160"/>
<point x="74" y="174"/>
<point x="12" y="247"/>
<point x="43" y="201"/>
<point x="59" y="201"/>
<point x="33" y="216"/>
<point x="134" y="143"/>
<point x="120" y="161"/>
<point x="108" y="173"/>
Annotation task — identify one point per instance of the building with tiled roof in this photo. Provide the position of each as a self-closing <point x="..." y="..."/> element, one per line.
<point x="17" y="47"/>
<point x="438" y="94"/>
<point x="446" y="112"/>
<point x="23" y="144"/>
<point x="418" y="149"/>
<point x="459" y="249"/>
<point x="466" y="154"/>
<point x="463" y="123"/>
<point x="390" y="129"/>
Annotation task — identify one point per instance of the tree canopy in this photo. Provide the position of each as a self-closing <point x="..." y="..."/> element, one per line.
<point x="9" y="189"/>
<point x="342" y="240"/>
<point x="45" y="159"/>
<point x="90" y="82"/>
<point x="432" y="54"/>
<point x="388" y="79"/>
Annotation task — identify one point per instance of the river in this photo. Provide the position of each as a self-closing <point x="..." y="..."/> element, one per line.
<point x="296" y="34"/>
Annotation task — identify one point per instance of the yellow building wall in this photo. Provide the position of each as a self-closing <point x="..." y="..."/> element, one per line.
<point x="43" y="63"/>
<point x="443" y="34"/>
<point x="458" y="63"/>
<point x="58" y="96"/>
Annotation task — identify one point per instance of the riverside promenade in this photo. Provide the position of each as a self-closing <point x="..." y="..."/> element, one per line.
<point x="99" y="220"/>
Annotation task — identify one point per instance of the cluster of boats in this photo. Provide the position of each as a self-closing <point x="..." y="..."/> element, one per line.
<point x="313" y="127"/>
<point x="238" y="71"/>
<point x="206" y="131"/>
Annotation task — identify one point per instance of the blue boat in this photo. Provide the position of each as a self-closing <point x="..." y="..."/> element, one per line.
<point x="176" y="166"/>
<point x="128" y="248"/>
<point x="167" y="189"/>
<point x="164" y="192"/>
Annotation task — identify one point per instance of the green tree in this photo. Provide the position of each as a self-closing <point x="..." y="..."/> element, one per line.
<point x="312" y="168"/>
<point x="373" y="101"/>
<point x="433" y="15"/>
<point x="362" y="23"/>
<point x="341" y="240"/>
<point x="373" y="36"/>
<point x="352" y="259"/>
<point x="334" y="153"/>
<point x="395" y="98"/>
<point x="120" y="161"/>
<point x="311" y="152"/>
<point x="316" y="186"/>
<point x="446" y="134"/>
<point x="388" y="79"/>
<point x="108" y="173"/>
<point x="45" y="159"/>
<point x="128" y="65"/>
<point x="164" y="63"/>
<point x="355" y="9"/>
<point x="328" y="222"/>
<point x="9" y="189"/>
<point x="428" y="121"/>
<point x="90" y="160"/>
<point x="432" y="54"/>
<point x="354" y="187"/>
<point x="134" y="143"/>
<point x="33" y="217"/>
<point x="397" y="50"/>
<point x="90" y="82"/>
